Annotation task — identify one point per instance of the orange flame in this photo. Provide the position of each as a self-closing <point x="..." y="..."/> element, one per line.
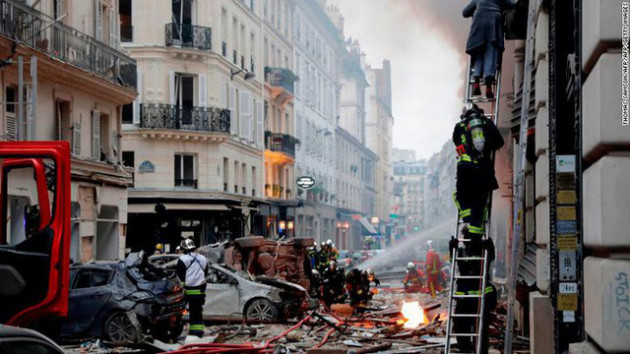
<point x="413" y="314"/>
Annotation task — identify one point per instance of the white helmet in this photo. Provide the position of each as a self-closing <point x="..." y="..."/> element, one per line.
<point x="187" y="244"/>
<point x="333" y="264"/>
<point x="430" y="244"/>
<point x="410" y="265"/>
<point x="329" y="242"/>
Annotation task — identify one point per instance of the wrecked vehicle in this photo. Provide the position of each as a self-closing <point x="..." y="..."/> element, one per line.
<point x="286" y="259"/>
<point x="119" y="301"/>
<point x="233" y="294"/>
<point x="22" y="340"/>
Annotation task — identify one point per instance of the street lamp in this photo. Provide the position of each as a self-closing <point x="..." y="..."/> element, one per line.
<point x="248" y="75"/>
<point x="325" y="130"/>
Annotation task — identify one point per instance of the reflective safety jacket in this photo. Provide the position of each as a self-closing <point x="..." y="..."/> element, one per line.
<point x="414" y="278"/>
<point x="192" y="269"/>
<point x="433" y="265"/>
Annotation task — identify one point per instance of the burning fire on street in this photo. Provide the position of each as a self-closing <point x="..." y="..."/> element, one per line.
<point x="413" y="314"/>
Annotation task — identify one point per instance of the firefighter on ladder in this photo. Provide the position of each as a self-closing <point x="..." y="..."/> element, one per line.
<point x="433" y="268"/>
<point x="475" y="138"/>
<point x="192" y="269"/>
<point x="470" y="305"/>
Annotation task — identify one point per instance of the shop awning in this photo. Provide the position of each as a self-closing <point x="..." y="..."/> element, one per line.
<point x="370" y="230"/>
<point x="150" y="208"/>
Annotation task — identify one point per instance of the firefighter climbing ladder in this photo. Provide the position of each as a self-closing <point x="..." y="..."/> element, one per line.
<point x="479" y="295"/>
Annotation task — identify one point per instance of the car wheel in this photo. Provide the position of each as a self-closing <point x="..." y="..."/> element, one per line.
<point x="120" y="329"/>
<point x="261" y="310"/>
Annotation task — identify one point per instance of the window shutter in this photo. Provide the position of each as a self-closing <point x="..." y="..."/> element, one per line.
<point x="225" y="92"/>
<point x="98" y="20"/>
<point x="96" y="135"/>
<point x="76" y="139"/>
<point x="171" y="85"/>
<point x="260" y="124"/>
<point x="113" y="28"/>
<point x="138" y="100"/>
<point x="245" y="113"/>
<point x="232" y="107"/>
<point x="10" y="126"/>
<point x="203" y="91"/>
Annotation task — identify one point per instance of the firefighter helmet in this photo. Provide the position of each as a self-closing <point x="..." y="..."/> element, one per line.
<point x="188" y="244"/>
<point x="370" y="274"/>
<point x="429" y="244"/>
<point x="329" y="242"/>
<point x="410" y="266"/>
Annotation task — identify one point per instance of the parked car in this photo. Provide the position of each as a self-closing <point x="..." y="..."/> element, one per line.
<point x="233" y="294"/>
<point x="22" y="340"/>
<point x="345" y="261"/>
<point x="118" y="301"/>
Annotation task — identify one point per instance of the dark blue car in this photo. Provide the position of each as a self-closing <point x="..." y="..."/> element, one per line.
<point x="121" y="301"/>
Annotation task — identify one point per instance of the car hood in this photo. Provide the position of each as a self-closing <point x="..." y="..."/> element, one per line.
<point x="279" y="283"/>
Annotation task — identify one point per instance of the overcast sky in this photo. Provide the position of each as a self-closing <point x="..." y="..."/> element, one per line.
<point x="425" y="42"/>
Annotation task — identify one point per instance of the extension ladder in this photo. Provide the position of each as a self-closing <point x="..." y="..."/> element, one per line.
<point x="482" y="277"/>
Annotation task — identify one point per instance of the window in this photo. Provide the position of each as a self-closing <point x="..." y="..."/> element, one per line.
<point x="216" y="276"/>
<point x="10" y="123"/>
<point x="244" y="178"/>
<point x="91" y="278"/>
<point x="236" y="177"/>
<point x="185" y="170"/>
<point x="224" y="32"/>
<point x="184" y="97"/>
<point x="126" y="20"/>
<point x="226" y="173"/>
<point x="63" y="121"/>
<point x="127" y="113"/>
<point x="254" y="181"/>
<point x="128" y="158"/>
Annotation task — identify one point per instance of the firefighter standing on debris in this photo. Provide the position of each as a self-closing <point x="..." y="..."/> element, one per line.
<point x="471" y="287"/>
<point x="414" y="279"/>
<point x="192" y="269"/>
<point x="323" y="257"/>
<point x="475" y="138"/>
<point x="433" y="268"/>
<point x="333" y="285"/>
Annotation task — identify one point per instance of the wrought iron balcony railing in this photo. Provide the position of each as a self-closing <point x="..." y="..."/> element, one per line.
<point x="188" y="36"/>
<point x="39" y="31"/>
<point x="168" y="116"/>
<point x="279" y="142"/>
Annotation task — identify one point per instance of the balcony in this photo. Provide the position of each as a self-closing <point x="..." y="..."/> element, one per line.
<point x="188" y="36"/>
<point x="280" y="147"/>
<point x="189" y="183"/>
<point x="37" y="30"/>
<point x="199" y="119"/>
<point x="281" y="82"/>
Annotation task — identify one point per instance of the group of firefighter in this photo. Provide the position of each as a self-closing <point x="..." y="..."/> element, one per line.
<point x="332" y="285"/>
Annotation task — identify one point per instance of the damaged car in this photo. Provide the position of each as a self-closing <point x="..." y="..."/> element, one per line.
<point x="121" y="301"/>
<point x="234" y="294"/>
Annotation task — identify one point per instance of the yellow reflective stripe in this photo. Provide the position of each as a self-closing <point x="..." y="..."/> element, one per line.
<point x="464" y="213"/>
<point x="476" y="292"/>
<point x="475" y="229"/>
<point x="196" y="327"/>
<point x="466" y="158"/>
<point x="193" y="292"/>
<point x="460" y="293"/>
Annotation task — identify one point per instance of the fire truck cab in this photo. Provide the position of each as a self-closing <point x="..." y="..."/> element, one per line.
<point x="34" y="231"/>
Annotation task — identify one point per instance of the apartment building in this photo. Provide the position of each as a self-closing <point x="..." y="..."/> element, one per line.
<point x="64" y="78"/>
<point x="379" y="123"/>
<point x="280" y="142"/>
<point x="317" y="41"/>
<point x="355" y="162"/>
<point x="195" y="135"/>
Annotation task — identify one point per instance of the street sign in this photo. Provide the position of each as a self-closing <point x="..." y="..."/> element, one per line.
<point x="305" y="182"/>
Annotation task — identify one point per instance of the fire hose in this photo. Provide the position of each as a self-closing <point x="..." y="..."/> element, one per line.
<point x="264" y="347"/>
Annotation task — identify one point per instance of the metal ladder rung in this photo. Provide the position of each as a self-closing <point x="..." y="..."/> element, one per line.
<point x="464" y="296"/>
<point x="464" y="335"/>
<point x="470" y="258"/>
<point x="464" y="315"/>
<point x="468" y="276"/>
<point x="481" y="99"/>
